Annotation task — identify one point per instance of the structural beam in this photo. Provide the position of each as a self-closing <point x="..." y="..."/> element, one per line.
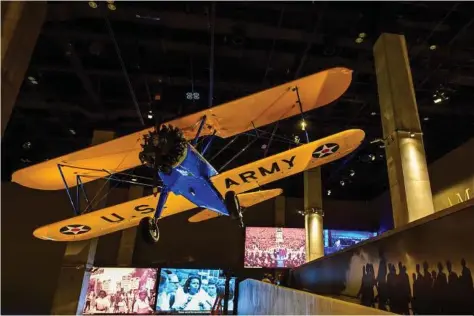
<point x="127" y="240"/>
<point x="313" y="214"/>
<point x="79" y="256"/>
<point x="410" y="188"/>
<point x="21" y="25"/>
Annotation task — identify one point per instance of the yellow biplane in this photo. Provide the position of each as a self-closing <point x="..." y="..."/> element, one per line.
<point x="188" y="180"/>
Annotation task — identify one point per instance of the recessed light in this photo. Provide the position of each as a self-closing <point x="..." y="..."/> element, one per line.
<point x="93" y="4"/>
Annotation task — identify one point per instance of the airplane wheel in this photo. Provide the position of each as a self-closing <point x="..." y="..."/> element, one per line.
<point x="232" y="204"/>
<point x="149" y="230"/>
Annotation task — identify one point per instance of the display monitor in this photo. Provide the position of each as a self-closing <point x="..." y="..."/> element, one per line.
<point x="270" y="247"/>
<point x="121" y="291"/>
<point x="186" y="291"/>
<point x="335" y="240"/>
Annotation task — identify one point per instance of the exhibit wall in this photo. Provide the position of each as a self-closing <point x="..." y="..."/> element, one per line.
<point x="425" y="267"/>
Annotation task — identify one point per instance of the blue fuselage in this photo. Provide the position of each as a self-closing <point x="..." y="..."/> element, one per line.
<point x="191" y="179"/>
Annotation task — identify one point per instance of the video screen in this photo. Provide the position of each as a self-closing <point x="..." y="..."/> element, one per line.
<point x="270" y="247"/>
<point x="121" y="291"/>
<point x="187" y="291"/>
<point x="335" y="240"/>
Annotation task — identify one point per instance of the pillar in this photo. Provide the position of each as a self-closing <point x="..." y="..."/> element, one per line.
<point x="313" y="214"/>
<point x="79" y="257"/>
<point x="280" y="208"/>
<point x="128" y="237"/>
<point x="21" y="25"/>
<point x="410" y="188"/>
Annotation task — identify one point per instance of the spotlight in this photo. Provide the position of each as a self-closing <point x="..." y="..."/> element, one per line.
<point x="433" y="47"/>
<point x="329" y="192"/>
<point x="352" y="173"/>
<point x="412" y="135"/>
<point x="303" y="125"/>
<point x="134" y="179"/>
<point x="362" y="35"/>
<point x="264" y="146"/>
<point x="359" y="40"/>
<point x="297" y="139"/>
<point x="73" y="132"/>
<point x="437" y="100"/>
<point x="150" y="114"/>
<point x="32" y="80"/>
<point x="111" y="7"/>
<point x="342" y="183"/>
<point x="27" y="145"/>
<point x="93" y="4"/>
<point x="426" y="119"/>
<point x="373" y="113"/>
<point x="371" y="157"/>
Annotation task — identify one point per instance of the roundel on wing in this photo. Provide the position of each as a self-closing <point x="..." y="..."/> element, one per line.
<point x="325" y="150"/>
<point x="75" y="229"/>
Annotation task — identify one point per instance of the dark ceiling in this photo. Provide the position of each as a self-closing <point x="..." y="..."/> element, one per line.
<point x="75" y="82"/>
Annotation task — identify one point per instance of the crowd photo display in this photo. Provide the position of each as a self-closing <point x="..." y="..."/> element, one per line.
<point x="121" y="291"/>
<point x="270" y="247"/>
<point x="335" y="240"/>
<point x="185" y="291"/>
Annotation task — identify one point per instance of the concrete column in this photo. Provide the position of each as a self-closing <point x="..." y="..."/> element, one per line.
<point x="21" y="25"/>
<point x="280" y="209"/>
<point x="313" y="205"/>
<point x="410" y="188"/>
<point x="127" y="240"/>
<point x="79" y="257"/>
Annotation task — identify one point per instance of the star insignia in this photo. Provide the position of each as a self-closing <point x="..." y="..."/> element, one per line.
<point x="325" y="150"/>
<point x="74" y="229"/>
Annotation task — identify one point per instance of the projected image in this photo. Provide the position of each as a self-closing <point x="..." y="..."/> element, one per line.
<point x="272" y="247"/>
<point x="191" y="290"/>
<point x="335" y="240"/>
<point x="121" y="291"/>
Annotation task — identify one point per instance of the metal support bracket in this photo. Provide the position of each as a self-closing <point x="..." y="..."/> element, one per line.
<point x="75" y="210"/>
<point x="201" y="125"/>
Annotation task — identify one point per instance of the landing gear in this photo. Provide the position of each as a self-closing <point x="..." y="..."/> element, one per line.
<point x="149" y="229"/>
<point x="233" y="206"/>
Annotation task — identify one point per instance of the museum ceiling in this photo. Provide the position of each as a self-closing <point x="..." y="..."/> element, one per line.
<point x="76" y="84"/>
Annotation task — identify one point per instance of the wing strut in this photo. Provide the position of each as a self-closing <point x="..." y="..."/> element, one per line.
<point x="301" y="110"/>
<point x="75" y="210"/>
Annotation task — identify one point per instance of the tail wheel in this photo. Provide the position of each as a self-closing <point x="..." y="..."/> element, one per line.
<point x="233" y="206"/>
<point x="149" y="230"/>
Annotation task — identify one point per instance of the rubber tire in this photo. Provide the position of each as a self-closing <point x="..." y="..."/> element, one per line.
<point x="149" y="230"/>
<point x="232" y="204"/>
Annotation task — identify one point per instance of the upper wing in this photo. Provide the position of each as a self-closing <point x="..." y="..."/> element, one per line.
<point x="290" y="162"/>
<point x="111" y="219"/>
<point x="228" y="119"/>
<point x="245" y="200"/>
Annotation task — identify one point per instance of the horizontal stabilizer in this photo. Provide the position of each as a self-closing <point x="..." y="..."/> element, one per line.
<point x="245" y="199"/>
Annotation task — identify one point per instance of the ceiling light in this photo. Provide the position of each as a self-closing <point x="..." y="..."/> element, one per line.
<point x="412" y="135"/>
<point x="359" y="40"/>
<point x="27" y="145"/>
<point x="381" y="156"/>
<point x="426" y="118"/>
<point x="362" y="35"/>
<point x="437" y="100"/>
<point x="352" y="173"/>
<point x="342" y="183"/>
<point x="303" y="125"/>
<point x="372" y="157"/>
<point x="93" y="4"/>
<point x="329" y="192"/>
<point x="264" y="146"/>
<point x="373" y="113"/>
<point x="150" y="114"/>
<point x="111" y="7"/>
<point x="297" y="139"/>
<point x="433" y="47"/>
<point x="73" y="132"/>
<point x="134" y="179"/>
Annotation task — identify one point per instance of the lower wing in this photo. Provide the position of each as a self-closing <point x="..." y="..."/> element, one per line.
<point x="288" y="163"/>
<point x="111" y="219"/>
<point x="245" y="200"/>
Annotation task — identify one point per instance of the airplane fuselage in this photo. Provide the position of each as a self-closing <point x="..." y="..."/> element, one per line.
<point x="191" y="179"/>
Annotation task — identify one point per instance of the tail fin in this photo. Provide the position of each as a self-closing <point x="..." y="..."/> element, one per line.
<point x="245" y="200"/>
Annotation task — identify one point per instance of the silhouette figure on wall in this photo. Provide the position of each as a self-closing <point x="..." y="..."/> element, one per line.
<point x="432" y="292"/>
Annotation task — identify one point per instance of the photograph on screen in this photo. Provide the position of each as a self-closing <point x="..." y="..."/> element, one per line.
<point x="270" y="247"/>
<point x="121" y="291"/>
<point x="184" y="291"/>
<point x="335" y="240"/>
